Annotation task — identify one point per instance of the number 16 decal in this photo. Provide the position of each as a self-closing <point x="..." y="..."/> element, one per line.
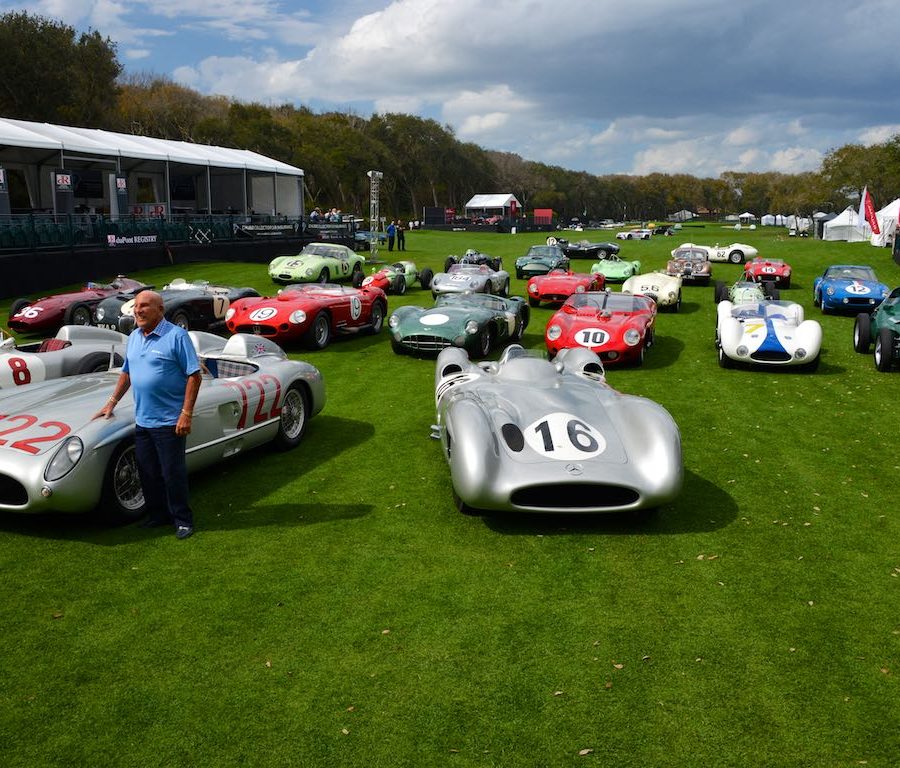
<point x="564" y="437"/>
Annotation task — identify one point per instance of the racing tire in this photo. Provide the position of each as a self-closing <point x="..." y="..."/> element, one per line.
<point x="532" y="302"/>
<point x="602" y="253"/>
<point x="293" y="418"/>
<point x="884" y="350"/>
<point x="400" y="285"/>
<point x="677" y="305"/>
<point x="862" y="332"/>
<point x="17" y="306"/>
<point x="324" y="276"/>
<point x="449" y="262"/>
<point x="786" y="282"/>
<point x="318" y="334"/>
<point x="721" y="292"/>
<point x="77" y="314"/>
<point x="484" y="343"/>
<point x="122" y="497"/>
<point x="724" y="360"/>
<point x="639" y="360"/>
<point x="736" y="257"/>
<point x="425" y="278"/>
<point x="519" y="275"/>
<point x="95" y="362"/>
<point x="496" y="264"/>
<point x="505" y="290"/>
<point x="356" y="278"/>
<point x="377" y="317"/>
<point x="397" y="347"/>
<point x="817" y="302"/>
<point x="182" y="319"/>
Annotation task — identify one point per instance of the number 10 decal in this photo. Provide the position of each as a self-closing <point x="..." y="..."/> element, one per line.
<point x="564" y="437"/>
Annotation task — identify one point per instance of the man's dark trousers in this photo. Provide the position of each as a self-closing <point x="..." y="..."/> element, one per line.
<point x="163" y="471"/>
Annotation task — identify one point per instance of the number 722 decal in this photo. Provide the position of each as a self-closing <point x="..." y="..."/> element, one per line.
<point x="564" y="437"/>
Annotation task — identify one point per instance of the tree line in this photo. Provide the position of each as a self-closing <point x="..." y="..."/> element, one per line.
<point x="51" y="73"/>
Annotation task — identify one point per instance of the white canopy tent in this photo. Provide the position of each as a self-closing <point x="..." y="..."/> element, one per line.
<point x="32" y="147"/>
<point x="887" y="223"/>
<point x="843" y="227"/>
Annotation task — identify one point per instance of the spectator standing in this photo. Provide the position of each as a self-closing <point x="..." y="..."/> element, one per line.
<point x="401" y="237"/>
<point x="162" y="366"/>
<point x="391" y="233"/>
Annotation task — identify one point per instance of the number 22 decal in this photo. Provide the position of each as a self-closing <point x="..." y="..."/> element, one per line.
<point x="26" y="444"/>
<point x="564" y="437"/>
<point x="260" y="415"/>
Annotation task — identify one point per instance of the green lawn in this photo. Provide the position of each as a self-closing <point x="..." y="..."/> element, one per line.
<point x="334" y="609"/>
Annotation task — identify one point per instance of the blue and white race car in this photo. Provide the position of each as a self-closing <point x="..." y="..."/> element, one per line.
<point x="848" y="287"/>
<point x="766" y="333"/>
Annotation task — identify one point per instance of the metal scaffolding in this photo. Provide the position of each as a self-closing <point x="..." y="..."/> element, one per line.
<point x="374" y="211"/>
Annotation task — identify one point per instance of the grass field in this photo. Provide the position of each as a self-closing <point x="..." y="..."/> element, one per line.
<point x="334" y="609"/>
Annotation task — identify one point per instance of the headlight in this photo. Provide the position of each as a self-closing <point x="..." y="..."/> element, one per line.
<point x="829" y="290"/>
<point x="579" y="289"/>
<point x="554" y="332"/>
<point x="533" y="288"/>
<point x="471" y="327"/>
<point x="228" y="315"/>
<point x="632" y="337"/>
<point x="100" y="313"/>
<point x="741" y="351"/>
<point x="297" y="316"/>
<point x="800" y="353"/>
<point x="393" y="321"/>
<point x="66" y="458"/>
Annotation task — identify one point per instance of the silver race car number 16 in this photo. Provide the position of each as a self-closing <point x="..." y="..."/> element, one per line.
<point x="564" y="437"/>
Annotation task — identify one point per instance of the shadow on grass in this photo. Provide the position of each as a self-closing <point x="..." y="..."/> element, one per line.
<point x="701" y="507"/>
<point x="688" y="307"/>
<point x="664" y="352"/>
<point x="231" y="485"/>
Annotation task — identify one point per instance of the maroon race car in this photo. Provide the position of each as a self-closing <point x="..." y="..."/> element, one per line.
<point x="558" y="284"/>
<point x="773" y="271"/>
<point x="309" y="313"/>
<point x="617" y="326"/>
<point x="49" y="313"/>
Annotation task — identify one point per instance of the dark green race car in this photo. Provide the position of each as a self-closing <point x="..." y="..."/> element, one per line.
<point x="539" y="260"/>
<point x="476" y="322"/>
<point x="882" y="327"/>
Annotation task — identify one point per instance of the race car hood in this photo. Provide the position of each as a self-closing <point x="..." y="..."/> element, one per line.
<point x="444" y="321"/>
<point x="856" y="287"/>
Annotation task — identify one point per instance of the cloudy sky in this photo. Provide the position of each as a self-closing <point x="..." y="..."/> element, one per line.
<point x="633" y="86"/>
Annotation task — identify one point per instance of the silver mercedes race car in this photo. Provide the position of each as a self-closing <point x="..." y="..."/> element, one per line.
<point x="530" y="435"/>
<point x="75" y="349"/>
<point x="55" y="456"/>
<point x="470" y="278"/>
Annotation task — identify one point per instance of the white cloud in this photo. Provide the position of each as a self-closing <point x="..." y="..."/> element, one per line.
<point x="878" y="134"/>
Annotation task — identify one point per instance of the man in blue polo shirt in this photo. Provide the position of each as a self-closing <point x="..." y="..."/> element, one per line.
<point x="162" y="368"/>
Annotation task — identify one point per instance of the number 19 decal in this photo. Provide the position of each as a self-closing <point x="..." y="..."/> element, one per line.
<point x="564" y="437"/>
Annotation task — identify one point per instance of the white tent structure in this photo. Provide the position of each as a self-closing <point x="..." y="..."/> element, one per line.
<point x="504" y="204"/>
<point x="773" y="220"/>
<point x="243" y="179"/>
<point x="887" y="223"/>
<point x="746" y="217"/>
<point x="843" y="227"/>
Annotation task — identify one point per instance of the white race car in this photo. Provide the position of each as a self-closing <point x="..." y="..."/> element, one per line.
<point x="75" y="349"/>
<point x="767" y="333"/>
<point x="664" y="289"/>
<point x="736" y="253"/>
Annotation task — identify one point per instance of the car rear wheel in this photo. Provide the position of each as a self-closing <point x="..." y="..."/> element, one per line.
<point x="484" y="343"/>
<point x="400" y="285"/>
<point x="736" y="257"/>
<point x="488" y="288"/>
<point x="377" y="319"/>
<point x="324" y="275"/>
<point x="293" y="418"/>
<point x="505" y="291"/>
<point x="95" y="362"/>
<point x="319" y="333"/>
<point x="862" y="332"/>
<point x="17" y="306"/>
<point x="884" y="350"/>
<point x="122" y="497"/>
<point x="78" y="314"/>
<point x="425" y="278"/>
<point x="602" y="253"/>
<point x="449" y="262"/>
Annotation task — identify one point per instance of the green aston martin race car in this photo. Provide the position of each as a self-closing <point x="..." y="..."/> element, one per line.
<point x="616" y="269"/>
<point x="319" y="262"/>
<point x="882" y="327"/>
<point x="476" y="322"/>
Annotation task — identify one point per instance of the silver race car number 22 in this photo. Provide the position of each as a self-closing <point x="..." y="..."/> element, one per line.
<point x="564" y="437"/>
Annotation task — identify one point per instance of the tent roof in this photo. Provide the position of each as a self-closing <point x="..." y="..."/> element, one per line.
<point x="26" y="134"/>
<point x="492" y="201"/>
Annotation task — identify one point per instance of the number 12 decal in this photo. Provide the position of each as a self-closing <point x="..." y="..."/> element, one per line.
<point x="564" y="437"/>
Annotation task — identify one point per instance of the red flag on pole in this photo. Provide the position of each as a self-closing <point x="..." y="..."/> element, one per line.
<point x="867" y="213"/>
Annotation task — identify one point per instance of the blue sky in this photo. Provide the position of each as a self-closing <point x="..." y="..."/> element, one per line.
<point x="694" y="86"/>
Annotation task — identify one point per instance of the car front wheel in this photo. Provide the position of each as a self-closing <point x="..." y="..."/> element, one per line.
<point x="122" y="498"/>
<point x="884" y="350"/>
<point x="319" y="333"/>
<point x="293" y="418"/>
<point x="862" y="332"/>
<point x="377" y="317"/>
<point x="736" y="257"/>
<point x="78" y="314"/>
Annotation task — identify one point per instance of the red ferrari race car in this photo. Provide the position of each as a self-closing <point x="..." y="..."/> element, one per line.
<point x="558" y="284"/>
<point x="772" y="271"/>
<point x="310" y="313"/>
<point x="52" y="312"/>
<point x="617" y="326"/>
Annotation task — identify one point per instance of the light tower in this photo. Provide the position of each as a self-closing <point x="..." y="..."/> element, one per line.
<point x="374" y="211"/>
